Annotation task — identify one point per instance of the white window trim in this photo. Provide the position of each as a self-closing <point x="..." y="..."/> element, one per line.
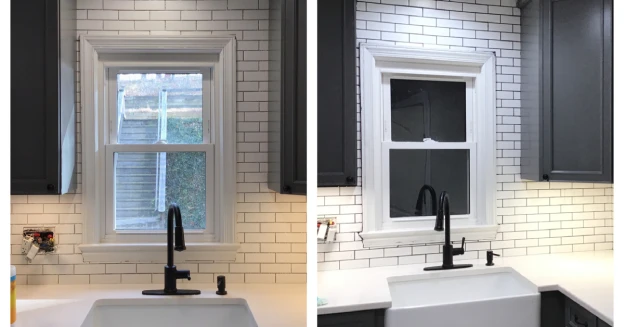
<point x="378" y="61"/>
<point x="221" y="50"/>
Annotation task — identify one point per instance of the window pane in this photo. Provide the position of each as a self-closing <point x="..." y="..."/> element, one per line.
<point x="146" y="183"/>
<point x="159" y="107"/>
<point x="443" y="170"/>
<point x="428" y="109"/>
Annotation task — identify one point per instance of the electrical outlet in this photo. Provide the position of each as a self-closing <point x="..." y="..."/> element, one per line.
<point x="27" y="242"/>
<point x="41" y="237"/>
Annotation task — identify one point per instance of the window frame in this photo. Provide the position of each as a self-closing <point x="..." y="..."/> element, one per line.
<point x="98" y="54"/>
<point x="112" y="146"/>
<point x="378" y="64"/>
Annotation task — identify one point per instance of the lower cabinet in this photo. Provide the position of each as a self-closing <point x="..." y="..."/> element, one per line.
<point x="559" y="310"/>
<point x="368" y="318"/>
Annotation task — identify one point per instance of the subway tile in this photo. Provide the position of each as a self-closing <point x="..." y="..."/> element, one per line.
<point x="119" y="4"/>
<point x="354" y="264"/>
<point x="73" y="279"/>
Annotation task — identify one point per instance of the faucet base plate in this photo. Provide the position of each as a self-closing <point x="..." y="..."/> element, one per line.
<point x="178" y="292"/>
<point x="445" y="268"/>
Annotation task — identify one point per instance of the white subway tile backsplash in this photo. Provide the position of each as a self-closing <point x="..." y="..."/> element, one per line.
<point x="270" y="224"/>
<point x="535" y="217"/>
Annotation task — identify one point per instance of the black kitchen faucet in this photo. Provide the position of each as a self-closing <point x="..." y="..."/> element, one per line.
<point x="447" y="250"/>
<point x="172" y="274"/>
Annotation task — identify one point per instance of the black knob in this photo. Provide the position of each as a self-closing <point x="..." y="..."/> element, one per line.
<point x="50" y="187"/>
<point x="286" y="189"/>
<point x="350" y="179"/>
<point x="221" y="285"/>
<point x="490" y="257"/>
<point x="545" y="177"/>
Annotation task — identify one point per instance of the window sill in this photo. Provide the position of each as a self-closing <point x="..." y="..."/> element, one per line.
<point x="157" y="252"/>
<point x="385" y="238"/>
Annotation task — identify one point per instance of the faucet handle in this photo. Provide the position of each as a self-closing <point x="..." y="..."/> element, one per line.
<point x="462" y="249"/>
<point x="183" y="274"/>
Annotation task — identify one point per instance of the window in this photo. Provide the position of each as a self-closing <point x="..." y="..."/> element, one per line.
<point x="428" y="144"/>
<point x="428" y="126"/>
<point x="158" y="128"/>
<point x="159" y="150"/>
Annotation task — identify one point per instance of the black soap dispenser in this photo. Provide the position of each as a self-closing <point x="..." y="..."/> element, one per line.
<point x="221" y="285"/>
<point x="490" y="257"/>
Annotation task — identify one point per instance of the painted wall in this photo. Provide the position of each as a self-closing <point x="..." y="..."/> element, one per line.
<point x="271" y="227"/>
<point x="535" y="217"/>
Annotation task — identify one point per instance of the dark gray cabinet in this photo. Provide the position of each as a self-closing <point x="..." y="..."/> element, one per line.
<point x="43" y="113"/>
<point x="559" y="310"/>
<point x="367" y="318"/>
<point x="567" y="90"/>
<point x="336" y="140"/>
<point x="287" y="92"/>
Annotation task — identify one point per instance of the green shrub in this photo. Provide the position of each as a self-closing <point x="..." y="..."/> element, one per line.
<point x="186" y="172"/>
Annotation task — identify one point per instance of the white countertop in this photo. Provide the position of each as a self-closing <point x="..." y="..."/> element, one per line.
<point x="585" y="277"/>
<point x="272" y="305"/>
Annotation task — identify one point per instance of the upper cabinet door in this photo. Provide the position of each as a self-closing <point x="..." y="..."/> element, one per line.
<point x="34" y="166"/>
<point x="43" y="117"/>
<point x="336" y="94"/>
<point x="577" y="90"/>
<point x="287" y="128"/>
<point x="294" y="126"/>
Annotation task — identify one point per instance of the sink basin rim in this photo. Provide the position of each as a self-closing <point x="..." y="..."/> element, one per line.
<point x="451" y="303"/>
<point x="437" y="274"/>
<point x="172" y="300"/>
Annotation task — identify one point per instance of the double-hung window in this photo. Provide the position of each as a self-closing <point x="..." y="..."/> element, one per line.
<point x="159" y="151"/>
<point x="428" y="147"/>
<point x="158" y="127"/>
<point x="428" y="126"/>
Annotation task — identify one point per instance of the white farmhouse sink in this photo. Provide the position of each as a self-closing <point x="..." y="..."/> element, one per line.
<point x="170" y="311"/>
<point x="473" y="297"/>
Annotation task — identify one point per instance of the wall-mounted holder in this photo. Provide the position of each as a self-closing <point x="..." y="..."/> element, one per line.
<point x="326" y="229"/>
<point x="38" y="240"/>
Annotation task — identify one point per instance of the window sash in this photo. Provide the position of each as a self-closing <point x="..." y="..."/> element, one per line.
<point x="387" y="103"/>
<point x="143" y="236"/>
<point x="423" y="222"/>
<point x="208" y="95"/>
